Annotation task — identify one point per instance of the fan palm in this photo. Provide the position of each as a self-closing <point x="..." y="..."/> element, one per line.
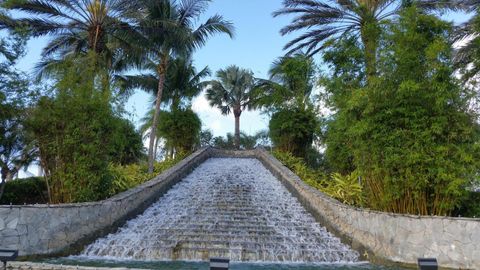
<point x="169" y="29"/>
<point x="290" y="84"/>
<point x="232" y="92"/>
<point x="331" y="19"/>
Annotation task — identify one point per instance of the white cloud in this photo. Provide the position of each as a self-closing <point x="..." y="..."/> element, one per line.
<point x="200" y="104"/>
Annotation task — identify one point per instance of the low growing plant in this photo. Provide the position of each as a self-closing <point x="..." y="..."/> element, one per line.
<point x="346" y="188"/>
<point x="128" y="176"/>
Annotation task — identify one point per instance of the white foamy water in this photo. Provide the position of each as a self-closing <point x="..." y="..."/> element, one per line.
<point x="227" y="207"/>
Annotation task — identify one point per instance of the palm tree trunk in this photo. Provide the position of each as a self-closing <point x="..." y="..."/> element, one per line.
<point x="156" y="147"/>
<point x="369" y="34"/>
<point x="2" y="188"/>
<point x="4" y="180"/>
<point x="237" y="113"/>
<point x="161" y="81"/>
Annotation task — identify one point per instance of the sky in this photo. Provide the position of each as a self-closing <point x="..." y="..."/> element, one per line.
<point x="257" y="43"/>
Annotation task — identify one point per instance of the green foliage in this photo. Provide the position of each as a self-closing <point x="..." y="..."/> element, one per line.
<point x="287" y="94"/>
<point x="34" y="190"/>
<point x="290" y="84"/>
<point x="206" y="138"/>
<point x="127" y="145"/>
<point x="15" y="95"/>
<point x="181" y="128"/>
<point x="467" y="57"/>
<point x="293" y="130"/>
<point x="128" y="176"/>
<point x="74" y="131"/>
<point x="469" y="206"/>
<point x="410" y="134"/>
<point x="25" y="191"/>
<point x="232" y="92"/>
<point x="310" y="176"/>
<point x="343" y="188"/>
<point x="76" y="28"/>
<point x="246" y="141"/>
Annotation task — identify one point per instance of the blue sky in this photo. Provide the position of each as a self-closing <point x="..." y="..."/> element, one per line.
<point x="256" y="44"/>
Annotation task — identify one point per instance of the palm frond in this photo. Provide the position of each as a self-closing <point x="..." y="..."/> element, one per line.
<point x="214" y="25"/>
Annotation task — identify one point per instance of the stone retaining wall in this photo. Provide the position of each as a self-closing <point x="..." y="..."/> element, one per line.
<point x="455" y="242"/>
<point x="59" y="229"/>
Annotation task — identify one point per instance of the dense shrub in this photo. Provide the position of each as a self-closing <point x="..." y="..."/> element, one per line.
<point x="410" y="133"/>
<point x="181" y="128"/>
<point x="127" y="145"/>
<point x="470" y="206"/>
<point x="25" y="191"/>
<point x="34" y="190"/>
<point x="246" y="141"/>
<point x="74" y="130"/>
<point x="292" y="130"/>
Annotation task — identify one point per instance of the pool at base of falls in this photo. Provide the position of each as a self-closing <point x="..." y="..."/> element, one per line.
<point x="193" y="265"/>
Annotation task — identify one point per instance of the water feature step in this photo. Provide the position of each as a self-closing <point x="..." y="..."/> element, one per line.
<point x="232" y="208"/>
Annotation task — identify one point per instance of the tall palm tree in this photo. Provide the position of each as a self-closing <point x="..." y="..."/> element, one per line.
<point x="169" y="29"/>
<point x="232" y="92"/>
<point x="330" y="19"/>
<point x="467" y="57"/>
<point x="182" y="82"/>
<point x="290" y="84"/>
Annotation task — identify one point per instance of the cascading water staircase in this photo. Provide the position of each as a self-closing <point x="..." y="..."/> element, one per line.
<point x="227" y="207"/>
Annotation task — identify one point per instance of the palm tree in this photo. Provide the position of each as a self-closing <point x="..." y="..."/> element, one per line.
<point x="182" y="83"/>
<point x="232" y="92"/>
<point x="325" y="20"/>
<point x="77" y="27"/>
<point x="467" y="57"/>
<point x="290" y="84"/>
<point x="169" y="30"/>
<point x="12" y="46"/>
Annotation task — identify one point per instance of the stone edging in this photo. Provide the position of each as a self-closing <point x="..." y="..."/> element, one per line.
<point x="46" y="266"/>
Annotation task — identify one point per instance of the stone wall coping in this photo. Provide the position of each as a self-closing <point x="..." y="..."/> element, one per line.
<point x="121" y="196"/>
<point x="319" y="193"/>
<point x="48" y="266"/>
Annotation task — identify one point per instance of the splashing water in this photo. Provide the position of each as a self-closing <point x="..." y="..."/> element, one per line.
<point x="227" y="207"/>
